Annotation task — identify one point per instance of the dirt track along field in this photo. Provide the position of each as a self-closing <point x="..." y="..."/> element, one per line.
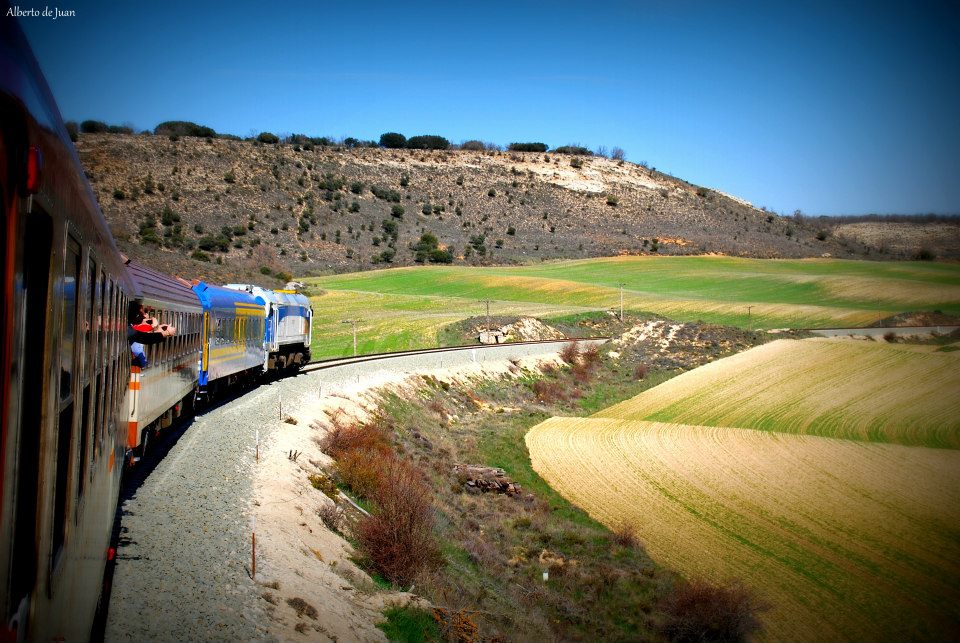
<point x="847" y="540"/>
<point x="840" y="388"/>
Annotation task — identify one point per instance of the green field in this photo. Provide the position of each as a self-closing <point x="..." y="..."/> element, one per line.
<point x="862" y="390"/>
<point x="762" y="293"/>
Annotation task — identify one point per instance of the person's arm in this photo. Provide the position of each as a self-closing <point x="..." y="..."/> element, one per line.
<point x="147" y="339"/>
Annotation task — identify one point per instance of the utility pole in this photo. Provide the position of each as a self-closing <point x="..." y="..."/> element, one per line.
<point x="353" y="322"/>
<point x="487" y="302"/>
<point x="750" y="317"/>
<point x="621" y="284"/>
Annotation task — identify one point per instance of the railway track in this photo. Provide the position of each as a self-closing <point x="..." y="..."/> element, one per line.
<point x="318" y="365"/>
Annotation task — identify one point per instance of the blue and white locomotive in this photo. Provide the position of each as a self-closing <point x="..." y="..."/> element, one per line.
<point x="288" y="325"/>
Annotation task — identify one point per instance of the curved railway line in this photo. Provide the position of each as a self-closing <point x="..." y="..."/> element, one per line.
<point x="183" y="532"/>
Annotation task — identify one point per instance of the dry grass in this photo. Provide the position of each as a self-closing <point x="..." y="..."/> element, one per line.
<point x="847" y="540"/>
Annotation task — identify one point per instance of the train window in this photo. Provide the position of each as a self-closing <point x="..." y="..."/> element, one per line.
<point x="68" y="338"/>
<point x="86" y="426"/>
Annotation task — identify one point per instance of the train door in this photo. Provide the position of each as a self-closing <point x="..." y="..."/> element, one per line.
<point x="33" y="322"/>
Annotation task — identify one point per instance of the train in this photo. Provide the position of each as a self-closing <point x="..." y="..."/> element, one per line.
<point x="76" y="411"/>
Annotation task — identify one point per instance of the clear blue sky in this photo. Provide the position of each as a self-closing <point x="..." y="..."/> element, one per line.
<point x="830" y="107"/>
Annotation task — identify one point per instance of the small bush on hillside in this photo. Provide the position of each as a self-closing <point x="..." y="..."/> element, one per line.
<point x="183" y="128"/>
<point x="925" y="254"/>
<point x="357" y="187"/>
<point x="427" y="142"/>
<point x="617" y="154"/>
<point x="570" y="352"/>
<point x="640" y="372"/>
<point x="200" y="255"/>
<point x="890" y="337"/>
<point x="393" y="140"/>
<point x="576" y="163"/>
<point x="119" y="194"/>
<point x="527" y="147"/>
<point x="398" y="537"/>
<point x="578" y="150"/>
<point x="268" y="138"/>
<point x="612" y="200"/>
<point x="385" y="193"/>
<point x="549" y="391"/>
<point x="701" y="611"/>
<point x="93" y="127"/>
<point x="404" y="181"/>
<point x="473" y="146"/>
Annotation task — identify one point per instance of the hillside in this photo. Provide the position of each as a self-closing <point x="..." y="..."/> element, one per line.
<point x="227" y="209"/>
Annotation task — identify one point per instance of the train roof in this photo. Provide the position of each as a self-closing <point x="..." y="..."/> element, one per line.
<point x="154" y="285"/>
<point x="212" y="296"/>
<point x="265" y="295"/>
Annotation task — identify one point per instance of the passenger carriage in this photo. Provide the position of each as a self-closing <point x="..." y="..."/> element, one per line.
<point x="232" y="349"/>
<point x="289" y="320"/>
<point x="64" y="365"/>
<point x="161" y="390"/>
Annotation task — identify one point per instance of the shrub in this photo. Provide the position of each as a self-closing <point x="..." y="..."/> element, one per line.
<point x="473" y="146"/>
<point x="612" y="200"/>
<point x="119" y="194"/>
<point x="527" y="147"/>
<point x="890" y="337"/>
<point x="404" y="181"/>
<point x="397" y="211"/>
<point x="576" y="163"/>
<point x="491" y="193"/>
<point x="200" y="255"/>
<point x="398" y="537"/>
<point x="357" y="187"/>
<point x="269" y="138"/>
<point x="426" y="209"/>
<point x="354" y="207"/>
<point x="626" y="536"/>
<point x="332" y="516"/>
<point x="822" y="235"/>
<point x="701" y="611"/>
<point x="511" y="231"/>
<point x="385" y="193"/>
<point x="578" y="150"/>
<point x="230" y="177"/>
<point x="549" y="391"/>
<point x="925" y="254"/>
<point x="441" y="256"/>
<point x="570" y="352"/>
<point x="427" y="142"/>
<point x="183" y="128"/>
<point x="93" y="127"/>
<point x="393" y="140"/>
<point x="617" y="154"/>
<point x="265" y="270"/>
<point x="640" y="372"/>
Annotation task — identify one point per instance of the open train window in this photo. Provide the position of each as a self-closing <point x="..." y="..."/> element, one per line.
<point x="70" y="283"/>
<point x="86" y="426"/>
<point x="38" y="232"/>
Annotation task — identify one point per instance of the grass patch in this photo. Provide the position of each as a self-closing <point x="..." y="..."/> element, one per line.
<point x="409" y="625"/>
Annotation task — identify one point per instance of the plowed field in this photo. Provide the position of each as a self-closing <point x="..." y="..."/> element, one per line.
<point x="847" y="540"/>
<point x="860" y="390"/>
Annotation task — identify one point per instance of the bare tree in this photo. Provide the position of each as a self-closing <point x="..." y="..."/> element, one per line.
<point x="602" y="151"/>
<point x="617" y="154"/>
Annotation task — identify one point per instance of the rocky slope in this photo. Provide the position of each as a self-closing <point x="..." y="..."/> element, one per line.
<point x="227" y="209"/>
